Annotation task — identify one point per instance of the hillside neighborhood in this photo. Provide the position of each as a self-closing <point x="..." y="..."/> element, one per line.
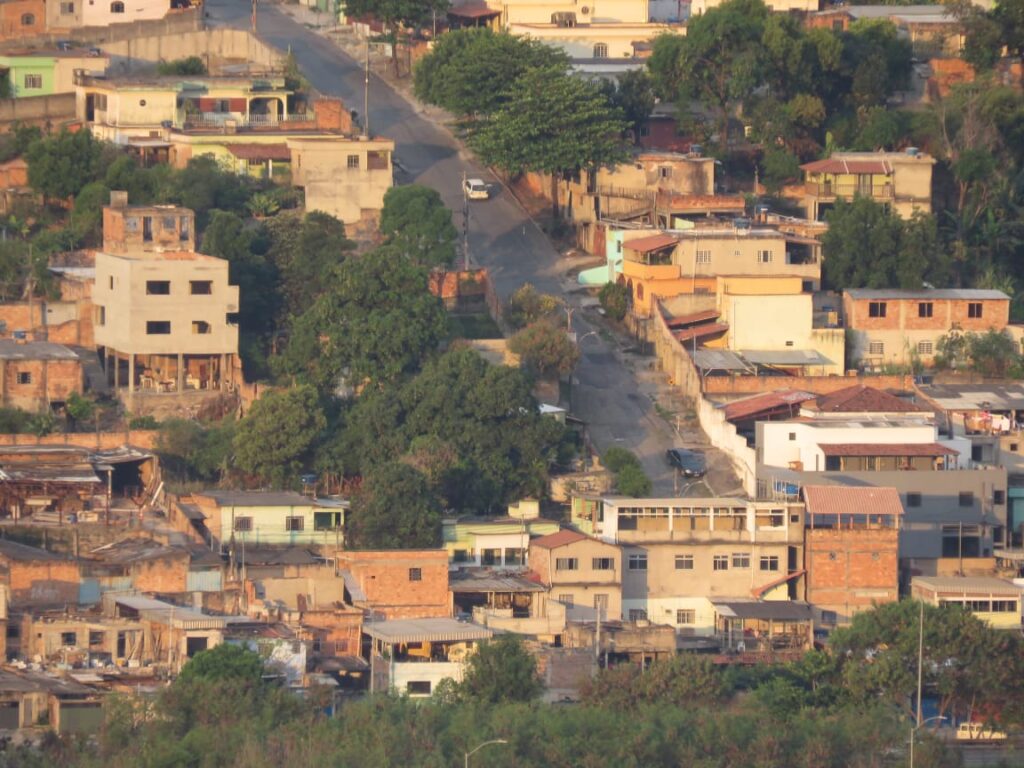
<point x="433" y="382"/>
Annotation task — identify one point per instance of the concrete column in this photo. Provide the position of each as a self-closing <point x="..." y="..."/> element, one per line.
<point x="3" y="383"/>
<point x="223" y="369"/>
<point x="117" y="370"/>
<point x="131" y="373"/>
<point x="181" y="372"/>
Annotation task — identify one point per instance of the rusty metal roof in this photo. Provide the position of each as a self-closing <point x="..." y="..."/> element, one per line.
<point x="885" y="449"/>
<point x="652" y="243"/>
<point x="560" y="539"/>
<point x="769" y="401"/>
<point x="849" y="500"/>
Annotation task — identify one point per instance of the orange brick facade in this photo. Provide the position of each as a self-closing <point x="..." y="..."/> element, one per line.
<point x="850" y="569"/>
<point x="42" y="583"/>
<point x="945" y="314"/>
<point x="818" y="385"/>
<point x="401" y="584"/>
<point x="33" y="384"/>
<point x="337" y="632"/>
<point x="22" y="18"/>
<point x="166" y="575"/>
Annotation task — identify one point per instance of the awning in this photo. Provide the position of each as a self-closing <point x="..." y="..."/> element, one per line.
<point x="785" y="357"/>
<point x="885" y="449"/>
<point x="426" y="631"/>
<point x="848" y="166"/>
<point x="700" y="331"/>
<point x="770" y="610"/>
<point x="719" y="360"/>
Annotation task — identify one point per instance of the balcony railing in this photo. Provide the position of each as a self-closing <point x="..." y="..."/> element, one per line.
<point x="833" y="189"/>
<point x="220" y="119"/>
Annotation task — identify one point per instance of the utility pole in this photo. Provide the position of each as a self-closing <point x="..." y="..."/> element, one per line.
<point x="366" y="89"/>
<point x="465" y="224"/>
<point x="920" y="664"/>
<point x="254" y="18"/>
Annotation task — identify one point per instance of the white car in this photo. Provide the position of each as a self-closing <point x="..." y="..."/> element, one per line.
<point x="475" y="189"/>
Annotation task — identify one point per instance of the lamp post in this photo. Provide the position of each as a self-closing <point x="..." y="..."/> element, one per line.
<point x="485" y="744"/>
<point x="572" y="373"/>
<point x="913" y="734"/>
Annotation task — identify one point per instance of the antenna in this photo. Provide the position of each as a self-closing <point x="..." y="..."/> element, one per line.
<point x="366" y="90"/>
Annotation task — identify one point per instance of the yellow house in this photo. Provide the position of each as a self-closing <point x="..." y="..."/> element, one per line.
<point x="901" y="181"/>
<point x="572" y="11"/>
<point x="257" y="518"/>
<point x="496" y="542"/>
<point x="994" y="601"/>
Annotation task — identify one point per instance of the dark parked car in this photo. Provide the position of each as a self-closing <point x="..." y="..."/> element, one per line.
<point x="690" y="463"/>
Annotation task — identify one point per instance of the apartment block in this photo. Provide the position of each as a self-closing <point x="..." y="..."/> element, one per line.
<point x="898" y="327"/>
<point x="581" y="572"/>
<point x="901" y="181"/>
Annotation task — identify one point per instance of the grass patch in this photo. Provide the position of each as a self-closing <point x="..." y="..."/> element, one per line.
<point x="481" y="326"/>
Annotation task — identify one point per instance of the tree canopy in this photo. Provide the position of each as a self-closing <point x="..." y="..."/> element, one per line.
<point x="394" y="509"/>
<point x="278" y="433"/>
<point x="501" y="670"/>
<point x="417" y="223"/>
<point x="59" y="166"/>
<point x="545" y="348"/>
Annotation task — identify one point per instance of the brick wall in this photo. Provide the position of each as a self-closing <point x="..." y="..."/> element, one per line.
<point x="848" y="570"/>
<point x="385" y="578"/>
<point x="905" y="315"/>
<point x="50" y="380"/>
<point x="339" y="631"/>
<point x="43" y="583"/>
<point x="331" y="115"/>
<point x="167" y="575"/>
<point x="140" y="438"/>
<point x="818" y="385"/>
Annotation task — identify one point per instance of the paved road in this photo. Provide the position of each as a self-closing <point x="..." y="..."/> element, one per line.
<point x="612" y="396"/>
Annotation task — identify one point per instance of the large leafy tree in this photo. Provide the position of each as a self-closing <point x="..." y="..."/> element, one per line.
<point x="470" y="72"/>
<point x="417" y="223"/>
<point x="633" y="94"/>
<point x="375" y="323"/>
<point x="490" y="443"/>
<point x="394" y="509"/>
<point x="545" y="348"/>
<point x="553" y="123"/>
<point x="717" y="63"/>
<point x="278" y="434"/>
<point x="225" y="662"/>
<point x="59" y="166"/>
<point x="501" y="671"/>
<point x="395" y="14"/>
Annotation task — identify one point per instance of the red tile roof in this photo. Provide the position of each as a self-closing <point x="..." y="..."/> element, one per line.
<point x="847" y="500"/>
<point x="700" y="331"/>
<point x="764" y="403"/>
<point x="863" y="399"/>
<point x="559" y="539"/>
<point x="885" y="449"/>
<point x="261" y="152"/>
<point x="848" y="166"/>
<point x="652" y="243"/>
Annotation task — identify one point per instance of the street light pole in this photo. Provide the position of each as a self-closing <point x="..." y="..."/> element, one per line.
<point x="485" y="744"/>
<point x="913" y="734"/>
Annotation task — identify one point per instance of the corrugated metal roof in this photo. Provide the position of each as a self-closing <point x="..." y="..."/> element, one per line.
<point x="652" y="243"/>
<point x="967" y="585"/>
<point x="769" y="401"/>
<point x="470" y="581"/>
<point x="14" y="550"/>
<point x="785" y="357"/>
<point x="926" y="294"/>
<point x="776" y="610"/>
<point x="258" y="498"/>
<point x="696" y="317"/>
<point x="34" y="350"/>
<point x="837" y="165"/>
<point x="977" y="397"/>
<point x="849" y="500"/>
<point x="885" y="449"/>
<point x="719" y="360"/>
<point x="700" y="331"/>
<point x="426" y="631"/>
<point x="559" y="539"/>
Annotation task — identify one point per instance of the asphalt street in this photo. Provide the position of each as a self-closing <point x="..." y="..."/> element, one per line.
<point x="609" y="394"/>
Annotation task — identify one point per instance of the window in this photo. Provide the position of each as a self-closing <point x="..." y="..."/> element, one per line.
<point x="740" y="559"/>
<point x="415" y="574"/>
<point x="876" y="309"/>
<point x="769" y="562"/>
<point x="515" y="556"/>
<point x="925" y="348"/>
<point x="67" y="8"/>
<point x="600" y="50"/>
<point x="200" y="287"/>
<point x="418" y="688"/>
<point x="490" y="556"/>
<point x="637" y="614"/>
<point x="998" y="497"/>
<point x="1004" y="606"/>
<point x="24" y="377"/>
<point x="27" y="20"/>
<point x="169" y="222"/>
<point x="353" y="161"/>
<point x="764" y="257"/>
<point x="68" y="638"/>
<point x="111" y="282"/>
<point x="703" y="257"/>
<point x="974" y="309"/>
<point x="33" y="81"/>
<point x="158" y="327"/>
<point x="638" y="562"/>
<point x="966" y="498"/>
<point x="829" y="617"/>
<point x="294" y="523"/>
<point x="460" y="556"/>
<point x="645" y="130"/>
<point x="720" y="563"/>
<point x="792" y="435"/>
<point x="686" y="616"/>
<point x="603" y="564"/>
<point x="147" y="224"/>
<point x="101" y="315"/>
<point x="924" y="309"/>
<point x="876" y="348"/>
<point x="913" y="499"/>
<point x="665" y="172"/>
<point x="117" y="7"/>
<point x="684" y="562"/>
<point x="567" y="600"/>
<point x="158" y="287"/>
<point x="183" y="231"/>
<point x="243" y="523"/>
<point x="567" y="564"/>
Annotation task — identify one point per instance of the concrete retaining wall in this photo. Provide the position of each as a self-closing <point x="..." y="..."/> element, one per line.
<point x="215" y="46"/>
<point x="43" y="111"/>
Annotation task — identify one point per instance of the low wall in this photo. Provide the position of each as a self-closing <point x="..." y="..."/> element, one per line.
<point x="213" y="46"/>
<point x="818" y="385"/>
<point x="42" y="111"/>
<point x="140" y="438"/>
<point x="175" y="22"/>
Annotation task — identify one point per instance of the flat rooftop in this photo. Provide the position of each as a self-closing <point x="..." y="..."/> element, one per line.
<point x="426" y="631"/>
<point x="34" y="350"/>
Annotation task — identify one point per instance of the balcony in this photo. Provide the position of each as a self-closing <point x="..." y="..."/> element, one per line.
<point x="832" y="189"/>
<point x="238" y="121"/>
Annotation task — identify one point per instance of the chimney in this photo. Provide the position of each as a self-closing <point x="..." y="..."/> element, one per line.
<point x="118" y="199"/>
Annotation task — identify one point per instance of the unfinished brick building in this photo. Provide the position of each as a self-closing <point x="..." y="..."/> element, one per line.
<point x="397" y="584"/>
<point x="35" y="375"/>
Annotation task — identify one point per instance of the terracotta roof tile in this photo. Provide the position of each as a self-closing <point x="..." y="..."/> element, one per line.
<point x="863" y="399"/>
<point x="847" y="500"/>
<point x="652" y="243"/>
<point x="559" y="539"/>
<point x="885" y="449"/>
<point x="769" y="401"/>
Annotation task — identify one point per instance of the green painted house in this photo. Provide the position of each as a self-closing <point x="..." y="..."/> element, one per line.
<point x="46" y="72"/>
<point x="496" y="542"/>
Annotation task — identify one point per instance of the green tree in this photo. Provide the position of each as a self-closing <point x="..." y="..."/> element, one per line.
<point x="545" y="348"/>
<point x="501" y="670"/>
<point x="614" y="298"/>
<point x="469" y="72"/>
<point x="993" y="353"/>
<point x="203" y="186"/>
<point x="376" y="322"/>
<point x="717" y="63"/>
<point x="190" y="451"/>
<point x="87" y="214"/>
<point x="553" y="123"/>
<point x="79" y="409"/>
<point x="417" y="223"/>
<point x="224" y="662"/>
<point x="527" y="305"/>
<point x="685" y="680"/>
<point x="59" y="166"/>
<point x="632" y="93"/>
<point x="191" y="65"/>
<point x="780" y="167"/>
<point x="278" y="434"/>
<point x="632" y="481"/>
<point x="394" y="509"/>
<point x="395" y="14"/>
